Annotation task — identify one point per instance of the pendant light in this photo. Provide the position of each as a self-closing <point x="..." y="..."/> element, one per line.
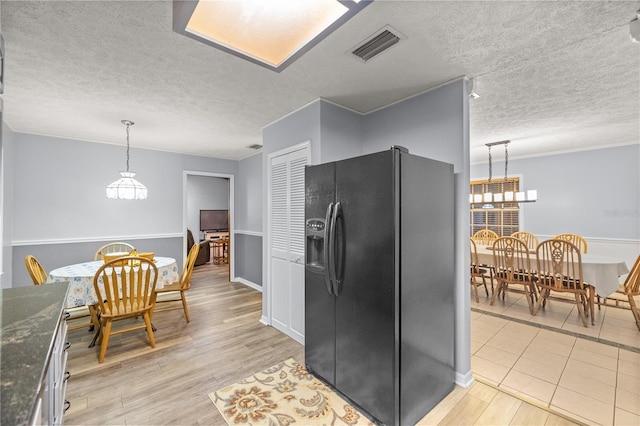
<point x="506" y="196"/>
<point x="127" y="188"/>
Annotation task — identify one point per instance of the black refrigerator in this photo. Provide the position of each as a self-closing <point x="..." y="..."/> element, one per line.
<point x="379" y="281"/>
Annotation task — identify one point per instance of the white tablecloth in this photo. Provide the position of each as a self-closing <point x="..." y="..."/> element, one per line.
<point x="80" y="278"/>
<point x="600" y="271"/>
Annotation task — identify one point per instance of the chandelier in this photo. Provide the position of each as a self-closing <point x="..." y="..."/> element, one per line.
<point x="127" y="188"/>
<point x="488" y="198"/>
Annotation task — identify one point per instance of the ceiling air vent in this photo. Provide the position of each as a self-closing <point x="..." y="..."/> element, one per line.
<point x="377" y="43"/>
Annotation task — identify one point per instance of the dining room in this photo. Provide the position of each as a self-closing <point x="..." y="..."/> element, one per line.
<point x="607" y="220"/>
<point x="539" y="347"/>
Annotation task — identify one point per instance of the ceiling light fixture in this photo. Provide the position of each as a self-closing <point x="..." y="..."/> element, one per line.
<point x="472" y="88"/>
<point x="505" y="196"/>
<point x="127" y="188"/>
<point x="271" y="33"/>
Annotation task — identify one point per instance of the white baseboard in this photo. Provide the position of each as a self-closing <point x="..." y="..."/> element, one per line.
<point x="465" y="380"/>
<point x="264" y="320"/>
<point x="248" y="283"/>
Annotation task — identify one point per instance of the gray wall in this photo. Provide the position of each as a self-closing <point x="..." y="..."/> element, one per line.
<point x="248" y="254"/>
<point x="204" y="193"/>
<point x="429" y="125"/>
<point x="604" y="183"/>
<point x="53" y="256"/>
<point x="299" y="126"/>
<point x="341" y="133"/>
<point x="7" y="204"/>
<point x="59" y="199"/>
<point x="248" y="214"/>
<point x="248" y="201"/>
<point x="433" y="124"/>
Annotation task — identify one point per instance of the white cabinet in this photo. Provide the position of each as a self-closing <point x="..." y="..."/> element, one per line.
<point x="52" y="403"/>
<point x="59" y="374"/>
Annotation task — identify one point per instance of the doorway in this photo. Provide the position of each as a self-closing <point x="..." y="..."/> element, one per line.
<point x="206" y="191"/>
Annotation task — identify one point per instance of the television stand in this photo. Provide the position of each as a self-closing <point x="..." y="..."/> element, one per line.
<point x="219" y="246"/>
<point x="214" y="235"/>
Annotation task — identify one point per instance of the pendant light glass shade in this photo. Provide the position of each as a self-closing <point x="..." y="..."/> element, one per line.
<point x="127" y="188"/>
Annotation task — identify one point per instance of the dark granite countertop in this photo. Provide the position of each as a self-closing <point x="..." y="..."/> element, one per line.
<point x="30" y="318"/>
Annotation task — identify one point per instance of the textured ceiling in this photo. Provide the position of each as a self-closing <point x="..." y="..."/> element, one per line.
<point x="552" y="76"/>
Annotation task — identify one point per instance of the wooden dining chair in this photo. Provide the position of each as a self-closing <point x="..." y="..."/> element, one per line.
<point x="574" y="239"/>
<point x="36" y="271"/>
<point x="528" y="238"/>
<point x="112" y="257"/>
<point x="485" y="237"/>
<point x="176" y="292"/>
<point x="512" y="265"/>
<point x="559" y="265"/>
<point x="147" y="255"/>
<point x="116" y="247"/>
<point x="628" y="294"/>
<point x="477" y="272"/>
<point x="39" y="277"/>
<point x="124" y="292"/>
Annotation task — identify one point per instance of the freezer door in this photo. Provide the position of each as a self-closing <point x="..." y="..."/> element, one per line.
<point x="365" y="316"/>
<point x="319" y="301"/>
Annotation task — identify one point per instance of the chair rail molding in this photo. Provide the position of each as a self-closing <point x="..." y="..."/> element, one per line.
<point x="94" y="239"/>
<point x="252" y="233"/>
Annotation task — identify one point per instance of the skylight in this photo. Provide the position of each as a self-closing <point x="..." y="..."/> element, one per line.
<point x="271" y="33"/>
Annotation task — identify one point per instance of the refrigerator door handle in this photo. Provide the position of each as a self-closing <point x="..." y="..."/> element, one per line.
<point x="332" y="249"/>
<point x="327" y="249"/>
<point x="337" y="280"/>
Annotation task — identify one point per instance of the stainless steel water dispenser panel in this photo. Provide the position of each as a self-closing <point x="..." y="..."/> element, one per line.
<point x="315" y="232"/>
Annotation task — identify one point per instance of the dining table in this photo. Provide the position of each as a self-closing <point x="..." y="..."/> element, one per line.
<point x="602" y="272"/>
<point x="80" y="278"/>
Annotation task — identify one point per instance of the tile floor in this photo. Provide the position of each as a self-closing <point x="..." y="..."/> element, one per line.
<point x="613" y="326"/>
<point x="587" y="380"/>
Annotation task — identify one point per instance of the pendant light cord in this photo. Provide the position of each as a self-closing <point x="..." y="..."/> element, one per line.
<point x="128" y="125"/>
<point x="506" y="160"/>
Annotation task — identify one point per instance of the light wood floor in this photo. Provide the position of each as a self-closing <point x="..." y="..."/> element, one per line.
<point x="223" y="343"/>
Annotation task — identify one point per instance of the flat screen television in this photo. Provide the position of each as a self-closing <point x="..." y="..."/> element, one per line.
<point x="214" y="220"/>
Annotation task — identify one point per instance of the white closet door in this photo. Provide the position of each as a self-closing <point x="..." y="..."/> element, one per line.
<point x="286" y="212"/>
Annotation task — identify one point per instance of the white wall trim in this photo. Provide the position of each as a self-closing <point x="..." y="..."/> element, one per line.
<point x="264" y="320"/>
<point x="560" y="152"/>
<point x="94" y="239"/>
<point x="253" y="233"/>
<point x="597" y="240"/>
<point x="248" y="283"/>
<point x="464" y="380"/>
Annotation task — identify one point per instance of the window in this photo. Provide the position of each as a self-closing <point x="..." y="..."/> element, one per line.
<point x="502" y="218"/>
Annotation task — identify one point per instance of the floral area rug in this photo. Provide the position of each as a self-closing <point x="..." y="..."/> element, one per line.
<point x="285" y="394"/>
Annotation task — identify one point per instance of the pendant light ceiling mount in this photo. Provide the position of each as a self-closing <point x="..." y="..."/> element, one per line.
<point x="127" y="188"/>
